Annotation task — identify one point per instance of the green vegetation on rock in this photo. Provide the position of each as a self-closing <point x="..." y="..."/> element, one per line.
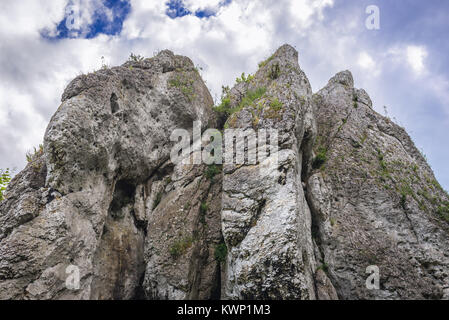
<point x="211" y="171"/>
<point x="320" y="158"/>
<point x="250" y="97"/>
<point x="221" y="251"/>
<point x="265" y="62"/>
<point x="443" y="210"/>
<point x="31" y="156"/>
<point x="5" y="178"/>
<point x="135" y="57"/>
<point x="180" y="247"/>
<point x="245" y="79"/>
<point x="184" y="83"/>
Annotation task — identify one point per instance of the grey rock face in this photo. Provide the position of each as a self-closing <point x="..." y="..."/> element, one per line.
<point x="347" y="190"/>
<point x="375" y="201"/>
<point x="265" y="218"/>
<point x="184" y="231"/>
<point x="83" y="201"/>
<point x="324" y="288"/>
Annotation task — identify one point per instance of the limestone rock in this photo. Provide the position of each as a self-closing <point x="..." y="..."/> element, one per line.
<point x="265" y="218"/>
<point x="324" y="287"/>
<point x="81" y="202"/>
<point x="346" y="190"/>
<point x="375" y="201"/>
<point x="184" y="232"/>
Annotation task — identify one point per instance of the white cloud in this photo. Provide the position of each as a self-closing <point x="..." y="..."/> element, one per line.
<point x="304" y="12"/>
<point x="415" y="57"/>
<point x="29" y="16"/>
<point x="241" y="33"/>
<point x="34" y="71"/>
<point x="365" y="61"/>
<point x="412" y="55"/>
<point x="194" y="5"/>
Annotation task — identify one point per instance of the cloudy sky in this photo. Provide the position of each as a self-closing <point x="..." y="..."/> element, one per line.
<point x="404" y="65"/>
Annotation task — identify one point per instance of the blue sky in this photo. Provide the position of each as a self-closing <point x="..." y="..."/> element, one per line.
<point x="106" y="18"/>
<point x="403" y="66"/>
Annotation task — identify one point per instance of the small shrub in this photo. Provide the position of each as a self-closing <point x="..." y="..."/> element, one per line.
<point x="184" y="84"/>
<point x="211" y="171"/>
<point x="364" y="137"/>
<point x="324" y="266"/>
<point x="443" y="211"/>
<point x="180" y="247"/>
<point x="250" y="97"/>
<point x="243" y="78"/>
<point x="135" y="58"/>
<point x="382" y="162"/>
<point x="203" y="211"/>
<point x="31" y="156"/>
<point x="276" y="104"/>
<point x="383" y="165"/>
<point x="221" y="251"/>
<point x="436" y="185"/>
<point x="203" y="208"/>
<point x="273" y="111"/>
<point x="5" y="178"/>
<point x="320" y="158"/>
<point x="265" y="62"/>
<point x="224" y="108"/>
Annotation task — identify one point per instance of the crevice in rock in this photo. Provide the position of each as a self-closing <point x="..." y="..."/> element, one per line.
<point x="306" y="149"/>
<point x="163" y="170"/>
<point x="139" y="293"/>
<point x="123" y="196"/>
<point x="114" y="103"/>
<point x="141" y="225"/>
<point x="317" y="240"/>
<point x="260" y="206"/>
<point x="119" y="265"/>
<point x="412" y="227"/>
<point x="216" y="290"/>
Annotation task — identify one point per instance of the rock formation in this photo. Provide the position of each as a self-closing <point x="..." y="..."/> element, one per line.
<point x="347" y="189"/>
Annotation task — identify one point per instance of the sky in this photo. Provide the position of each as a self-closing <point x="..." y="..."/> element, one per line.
<point x="403" y="64"/>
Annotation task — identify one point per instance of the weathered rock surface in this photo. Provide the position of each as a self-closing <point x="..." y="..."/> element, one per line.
<point x="375" y="201"/>
<point x="265" y="219"/>
<point x="83" y="202"/>
<point x="347" y="190"/>
<point x="184" y="231"/>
